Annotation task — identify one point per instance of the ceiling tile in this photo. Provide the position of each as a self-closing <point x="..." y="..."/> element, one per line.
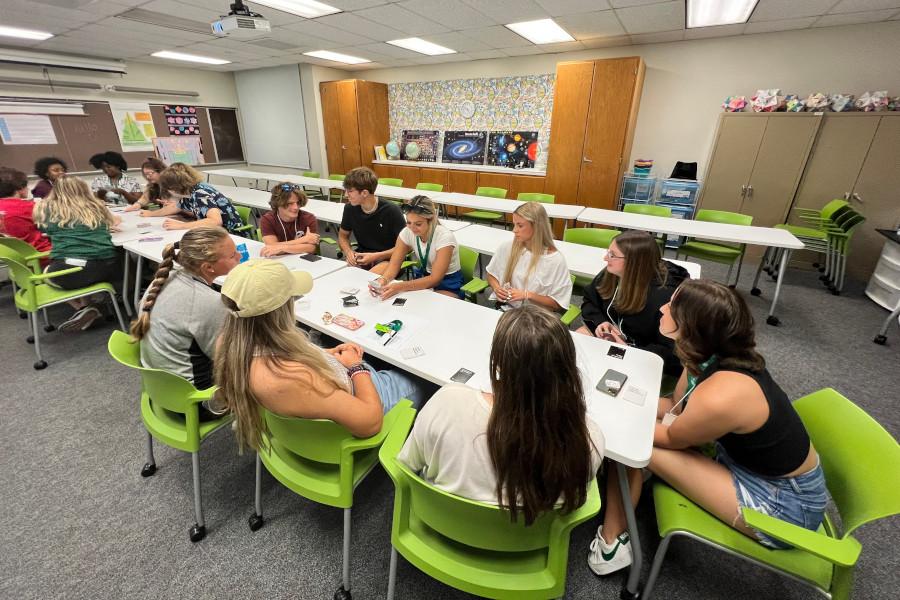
<point x="773" y="10"/>
<point x="348" y="5"/>
<point x="846" y="6"/>
<point x="610" y="42"/>
<point x="698" y="33"/>
<point x="523" y="50"/>
<point x="352" y="24"/>
<point x="326" y="32"/>
<point x="457" y="41"/>
<point x="787" y="24"/>
<point x="454" y="15"/>
<point x="483" y="54"/>
<point x="213" y="9"/>
<point x="584" y="26"/>
<point x="658" y="38"/>
<point x="383" y="50"/>
<point x="854" y="18"/>
<point x="497" y="37"/>
<point x="397" y="17"/>
<point x="896" y="17"/>
<point x="667" y="16"/>
<point x="626" y="3"/>
<point x="509" y="11"/>
<point x="557" y="8"/>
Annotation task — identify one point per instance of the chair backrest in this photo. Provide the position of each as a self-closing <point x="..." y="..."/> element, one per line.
<point x="859" y="457"/>
<point x="394" y="181"/>
<point x="312" y="174"/>
<point x="493" y="192"/>
<point x="20" y="246"/>
<point x="828" y="211"/>
<point x="590" y="236"/>
<point x="536" y="197"/>
<point x="648" y="209"/>
<point x="430" y="187"/>
<point x="468" y="258"/>
<point x="244" y="212"/>
<point x="18" y="272"/>
<point x="314" y="439"/>
<point x="336" y="176"/>
<point x="723" y="216"/>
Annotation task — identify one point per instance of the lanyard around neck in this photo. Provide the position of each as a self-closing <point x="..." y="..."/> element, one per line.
<point x="423" y="259"/>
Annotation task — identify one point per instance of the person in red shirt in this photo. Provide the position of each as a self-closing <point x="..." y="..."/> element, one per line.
<point x="13" y="201"/>
<point x="286" y="229"/>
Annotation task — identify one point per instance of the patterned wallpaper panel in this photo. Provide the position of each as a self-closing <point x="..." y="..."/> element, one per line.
<point x="505" y="103"/>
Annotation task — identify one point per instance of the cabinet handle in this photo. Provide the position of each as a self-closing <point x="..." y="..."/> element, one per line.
<point x="846" y="195"/>
<point x="743" y="191"/>
<point x="343" y="147"/>
<point x="749" y="191"/>
<point x="586" y="159"/>
<point x="857" y="198"/>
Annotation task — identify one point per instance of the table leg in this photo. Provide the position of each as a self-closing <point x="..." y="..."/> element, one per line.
<point x="785" y="259"/>
<point x="754" y="290"/>
<point x="125" y="270"/>
<point x="137" y="282"/>
<point x="630" y="591"/>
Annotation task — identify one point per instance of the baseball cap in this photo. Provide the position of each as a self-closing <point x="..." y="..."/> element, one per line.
<point x="259" y="286"/>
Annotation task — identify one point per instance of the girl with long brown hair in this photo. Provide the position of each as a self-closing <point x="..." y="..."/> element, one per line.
<point x="764" y="458"/>
<point x="527" y="446"/>
<point x="150" y="169"/>
<point x="529" y="268"/>
<point x="622" y="303"/>
<point x="184" y="184"/>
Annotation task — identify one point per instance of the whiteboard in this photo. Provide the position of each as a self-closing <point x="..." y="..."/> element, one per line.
<point x="271" y="108"/>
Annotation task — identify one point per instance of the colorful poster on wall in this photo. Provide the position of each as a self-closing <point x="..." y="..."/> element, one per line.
<point x="514" y="149"/>
<point x="182" y="120"/>
<point x="420" y="144"/>
<point x="26" y="129"/>
<point x="464" y="147"/>
<point x="134" y="124"/>
<point x="185" y="149"/>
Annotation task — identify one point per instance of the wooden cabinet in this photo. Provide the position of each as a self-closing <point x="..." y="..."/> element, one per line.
<point x="498" y="180"/>
<point x="440" y="176"/>
<point x="355" y="118"/>
<point x="409" y="175"/>
<point x="463" y="182"/>
<point x="595" y="106"/>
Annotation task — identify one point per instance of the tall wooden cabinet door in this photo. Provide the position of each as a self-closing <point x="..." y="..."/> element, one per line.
<point x="836" y="159"/>
<point x="612" y="91"/>
<point x="349" y="124"/>
<point x="372" y="109"/>
<point x="877" y="197"/>
<point x="571" y="100"/>
<point x="737" y="143"/>
<point x="779" y="164"/>
<point x="331" y="121"/>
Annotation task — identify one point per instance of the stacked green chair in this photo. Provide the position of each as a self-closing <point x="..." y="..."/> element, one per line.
<point x="653" y="210"/>
<point x="718" y="252"/>
<point x="336" y="194"/>
<point x="170" y="411"/>
<point x="813" y="232"/>
<point x="34" y="293"/>
<point x="839" y="246"/>
<point x="474" y="546"/>
<point x="248" y="229"/>
<point x="473" y="286"/>
<point x="860" y="462"/>
<point x="485" y="215"/>
<point x="536" y="197"/>
<point x="589" y="236"/>
<point x="312" y="191"/>
<point x="321" y="461"/>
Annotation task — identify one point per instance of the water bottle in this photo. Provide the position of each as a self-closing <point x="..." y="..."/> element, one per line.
<point x="245" y="254"/>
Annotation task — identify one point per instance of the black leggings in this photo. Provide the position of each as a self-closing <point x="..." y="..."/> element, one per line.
<point x="104" y="270"/>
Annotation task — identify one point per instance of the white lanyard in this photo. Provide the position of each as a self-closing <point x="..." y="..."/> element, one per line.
<point x="284" y="231"/>
<point x="609" y="316"/>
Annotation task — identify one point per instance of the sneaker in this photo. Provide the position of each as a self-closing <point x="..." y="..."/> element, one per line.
<point x="82" y="319"/>
<point x="604" y="559"/>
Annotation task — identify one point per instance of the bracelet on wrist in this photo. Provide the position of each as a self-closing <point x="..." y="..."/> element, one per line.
<point x="356" y="369"/>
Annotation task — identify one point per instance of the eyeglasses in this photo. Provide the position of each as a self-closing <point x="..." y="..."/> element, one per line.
<point x="417" y="206"/>
<point x="611" y="256"/>
<point x="289" y="187"/>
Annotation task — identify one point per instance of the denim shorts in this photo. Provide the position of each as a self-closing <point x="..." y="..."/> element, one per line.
<point x="799" y="500"/>
<point x="394" y="385"/>
<point x="452" y="282"/>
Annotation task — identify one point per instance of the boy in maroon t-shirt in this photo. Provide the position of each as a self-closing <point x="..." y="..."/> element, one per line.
<point x="286" y="229"/>
<point x="13" y="201"/>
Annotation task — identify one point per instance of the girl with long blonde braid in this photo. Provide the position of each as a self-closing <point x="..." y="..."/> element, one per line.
<point x="181" y="313"/>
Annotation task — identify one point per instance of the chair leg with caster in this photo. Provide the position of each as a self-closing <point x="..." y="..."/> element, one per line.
<point x="198" y="531"/>
<point x="256" y="519"/>
<point x="149" y="467"/>
<point x="48" y="326"/>
<point x="40" y="363"/>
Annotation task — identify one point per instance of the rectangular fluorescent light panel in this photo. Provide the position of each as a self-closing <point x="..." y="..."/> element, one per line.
<point x="25" y="34"/>
<point x="190" y="58"/>
<point x="303" y="8"/>
<point x="707" y="13"/>
<point x="421" y="46"/>
<point x="542" y="31"/>
<point x="337" y="57"/>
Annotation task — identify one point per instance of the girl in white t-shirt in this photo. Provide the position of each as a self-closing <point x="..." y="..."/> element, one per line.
<point x="529" y="446"/>
<point x="530" y="268"/>
<point x="434" y="248"/>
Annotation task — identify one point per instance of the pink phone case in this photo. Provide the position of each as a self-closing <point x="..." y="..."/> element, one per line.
<point x="348" y="322"/>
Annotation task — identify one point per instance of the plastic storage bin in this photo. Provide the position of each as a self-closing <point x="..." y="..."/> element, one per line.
<point x="679" y="211"/>
<point x="678" y="191"/>
<point x="636" y="190"/>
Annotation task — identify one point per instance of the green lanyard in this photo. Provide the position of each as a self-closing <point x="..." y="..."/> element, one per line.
<point x="692" y="379"/>
<point x="423" y="259"/>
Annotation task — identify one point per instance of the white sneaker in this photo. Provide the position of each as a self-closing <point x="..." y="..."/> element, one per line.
<point x="604" y="559"/>
<point x="81" y="320"/>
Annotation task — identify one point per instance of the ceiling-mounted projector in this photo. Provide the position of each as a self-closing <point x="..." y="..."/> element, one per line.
<point x="241" y="23"/>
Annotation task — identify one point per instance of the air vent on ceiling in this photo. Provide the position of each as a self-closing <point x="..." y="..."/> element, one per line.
<point x="149" y="17"/>
<point x="273" y="44"/>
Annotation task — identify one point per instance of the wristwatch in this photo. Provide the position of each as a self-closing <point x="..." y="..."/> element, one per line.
<point x="357" y="368"/>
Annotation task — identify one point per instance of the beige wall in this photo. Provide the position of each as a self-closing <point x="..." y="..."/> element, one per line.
<point x="686" y="82"/>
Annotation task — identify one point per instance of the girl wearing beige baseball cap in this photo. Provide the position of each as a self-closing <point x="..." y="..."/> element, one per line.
<point x="265" y="360"/>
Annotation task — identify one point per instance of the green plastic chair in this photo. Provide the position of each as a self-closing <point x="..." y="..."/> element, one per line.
<point x="169" y="409"/>
<point x="33" y="293"/>
<point x="336" y="194"/>
<point x="468" y="259"/>
<point x="813" y="233"/>
<point x="860" y="461"/>
<point x="322" y="461"/>
<point x="28" y="255"/>
<point x="573" y="311"/>
<point x="485" y="215"/>
<point x="474" y="546"/>
<point x="430" y="187"/>
<point x="392" y="181"/>
<point x="536" y="197"/>
<point x="718" y="252"/>
<point x="653" y="210"/>
<point x="311" y="191"/>
<point x="589" y="236"/>
<point x="248" y="229"/>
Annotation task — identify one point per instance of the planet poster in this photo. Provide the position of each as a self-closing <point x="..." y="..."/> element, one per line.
<point x="425" y="139"/>
<point x="182" y="120"/>
<point x="464" y="147"/>
<point x="513" y="149"/>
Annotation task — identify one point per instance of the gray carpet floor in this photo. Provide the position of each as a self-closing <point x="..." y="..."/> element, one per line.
<point x="80" y="522"/>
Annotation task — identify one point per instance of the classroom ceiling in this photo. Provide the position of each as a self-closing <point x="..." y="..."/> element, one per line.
<point x="474" y="28"/>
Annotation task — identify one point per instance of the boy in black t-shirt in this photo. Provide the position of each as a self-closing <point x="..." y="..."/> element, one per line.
<point x="374" y="224"/>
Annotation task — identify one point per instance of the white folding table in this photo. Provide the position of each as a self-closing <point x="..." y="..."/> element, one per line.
<point x="566" y="212"/>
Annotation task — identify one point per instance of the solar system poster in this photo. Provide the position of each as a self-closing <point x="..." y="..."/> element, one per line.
<point x="513" y="149"/>
<point x="464" y="147"/>
<point x="425" y="139"/>
<point x="182" y="120"/>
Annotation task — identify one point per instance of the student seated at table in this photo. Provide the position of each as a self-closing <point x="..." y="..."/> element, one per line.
<point x="114" y="182"/>
<point x="529" y="445"/>
<point x="18" y="221"/>
<point x="764" y="458"/>
<point x="185" y="185"/>
<point x="48" y="169"/>
<point x="150" y="169"/>
<point x="374" y="224"/>
<point x="287" y="229"/>
<point x="529" y="268"/>
<point x="78" y="225"/>
<point x="435" y="250"/>
<point x="181" y="313"/>
<point x="622" y="304"/>
<point x="271" y="363"/>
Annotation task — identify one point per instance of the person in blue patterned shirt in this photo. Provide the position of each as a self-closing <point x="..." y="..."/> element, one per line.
<point x="210" y="207"/>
